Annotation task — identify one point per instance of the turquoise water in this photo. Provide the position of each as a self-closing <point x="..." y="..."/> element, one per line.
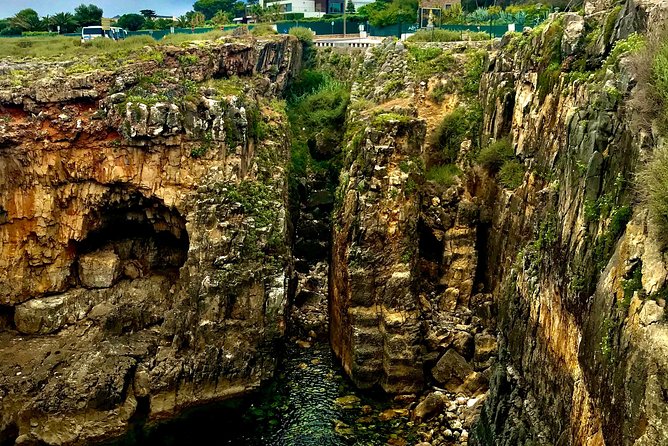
<point x="309" y="403"/>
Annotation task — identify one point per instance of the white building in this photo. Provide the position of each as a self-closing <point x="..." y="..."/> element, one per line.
<point x="307" y="7"/>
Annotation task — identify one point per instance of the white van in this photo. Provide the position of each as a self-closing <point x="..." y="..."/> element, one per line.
<point x="89" y="33"/>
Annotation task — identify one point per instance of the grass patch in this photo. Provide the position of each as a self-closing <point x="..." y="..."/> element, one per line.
<point x="443" y="35"/>
<point x="653" y="183"/>
<point x="70" y="47"/>
<point x="426" y="62"/>
<point x="444" y="175"/>
<point x="178" y="39"/>
<point x="305" y="35"/>
<point x="460" y="124"/>
<point x="495" y="154"/>
<point x="262" y="29"/>
<point x="511" y="174"/>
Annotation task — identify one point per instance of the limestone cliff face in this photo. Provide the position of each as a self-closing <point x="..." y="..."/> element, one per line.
<point x="581" y="354"/>
<point x="144" y="250"/>
<point x="404" y="311"/>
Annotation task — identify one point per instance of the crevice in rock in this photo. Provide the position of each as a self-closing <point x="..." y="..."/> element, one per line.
<point x="481" y="246"/>
<point x="431" y="248"/>
<point x="6" y="317"/>
<point x="9" y="434"/>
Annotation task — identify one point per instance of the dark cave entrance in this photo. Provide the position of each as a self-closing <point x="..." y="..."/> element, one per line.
<point x="130" y="237"/>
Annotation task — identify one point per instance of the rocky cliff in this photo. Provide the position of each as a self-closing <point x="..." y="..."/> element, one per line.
<point x="527" y="224"/>
<point x="574" y="264"/>
<point x="145" y="247"/>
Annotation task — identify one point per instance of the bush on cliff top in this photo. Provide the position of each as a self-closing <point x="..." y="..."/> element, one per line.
<point x="305" y="35"/>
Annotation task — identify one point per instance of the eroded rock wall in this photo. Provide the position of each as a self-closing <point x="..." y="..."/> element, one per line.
<point x="145" y="251"/>
<point x="580" y="351"/>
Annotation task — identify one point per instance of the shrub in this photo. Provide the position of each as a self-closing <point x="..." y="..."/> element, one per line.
<point x="511" y="174"/>
<point x="439" y="91"/>
<point x="444" y="175"/>
<point x="176" y="39"/>
<point x="494" y="155"/>
<point x="427" y="62"/>
<point x="462" y="123"/>
<point x="653" y="183"/>
<point x="450" y="133"/>
<point x="436" y="35"/>
<point x="262" y="29"/>
<point x="305" y="35"/>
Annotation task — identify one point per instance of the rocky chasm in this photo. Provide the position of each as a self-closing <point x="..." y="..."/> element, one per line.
<point x="470" y="238"/>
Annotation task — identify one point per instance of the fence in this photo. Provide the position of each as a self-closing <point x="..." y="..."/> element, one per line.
<point x="326" y="27"/>
<point x="396" y="30"/>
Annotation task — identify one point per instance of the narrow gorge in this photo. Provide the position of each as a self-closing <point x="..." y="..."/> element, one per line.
<point x="417" y="243"/>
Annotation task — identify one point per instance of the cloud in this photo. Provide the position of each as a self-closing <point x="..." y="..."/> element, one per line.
<point x="110" y="7"/>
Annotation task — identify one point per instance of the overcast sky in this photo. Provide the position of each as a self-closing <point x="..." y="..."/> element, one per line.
<point x="110" y="7"/>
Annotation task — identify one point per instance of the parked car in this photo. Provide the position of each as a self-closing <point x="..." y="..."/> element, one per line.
<point x="89" y="33"/>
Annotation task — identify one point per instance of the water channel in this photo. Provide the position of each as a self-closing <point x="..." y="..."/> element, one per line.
<point x="309" y="403"/>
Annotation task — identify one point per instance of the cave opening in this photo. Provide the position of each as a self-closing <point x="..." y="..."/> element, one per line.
<point x="481" y="246"/>
<point x="429" y="245"/>
<point x="6" y="317"/>
<point x="132" y="236"/>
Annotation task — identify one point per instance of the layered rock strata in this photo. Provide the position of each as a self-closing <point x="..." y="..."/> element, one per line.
<point x="144" y="257"/>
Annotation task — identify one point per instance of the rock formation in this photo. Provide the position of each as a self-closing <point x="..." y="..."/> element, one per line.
<point x="145" y="253"/>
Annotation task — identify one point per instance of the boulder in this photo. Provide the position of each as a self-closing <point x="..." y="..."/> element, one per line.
<point x="430" y="406"/>
<point x="451" y="370"/>
<point x="485" y="348"/>
<point x="99" y="269"/>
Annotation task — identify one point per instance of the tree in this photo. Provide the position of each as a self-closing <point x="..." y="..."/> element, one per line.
<point x="88" y="15"/>
<point x="210" y="7"/>
<point x="220" y="18"/>
<point x="350" y="9"/>
<point x="163" y="23"/>
<point x="65" y="20"/>
<point x="183" y="21"/>
<point x="26" y="20"/>
<point x="131" y="22"/>
<point x="148" y="13"/>
<point x="239" y="9"/>
<point x="197" y="19"/>
<point x="390" y="12"/>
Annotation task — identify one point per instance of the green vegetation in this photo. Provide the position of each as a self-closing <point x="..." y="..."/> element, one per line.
<point x="178" y="39"/>
<point x="511" y="174"/>
<point x="389" y="12"/>
<point x="257" y="200"/>
<point x="653" y="182"/>
<point x="427" y="62"/>
<point x="630" y="285"/>
<point x="438" y="93"/>
<point x="445" y="175"/>
<point x="450" y="133"/>
<point x="473" y="69"/>
<point x="262" y="29"/>
<point x="496" y="154"/>
<point x="443" y="35"/>
<point x="305" y="35"/>
<point x="316" y="108"/>
<point x="58" y="47"/>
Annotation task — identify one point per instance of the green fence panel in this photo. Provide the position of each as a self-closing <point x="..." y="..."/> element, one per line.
<point x="495" y="30"/>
